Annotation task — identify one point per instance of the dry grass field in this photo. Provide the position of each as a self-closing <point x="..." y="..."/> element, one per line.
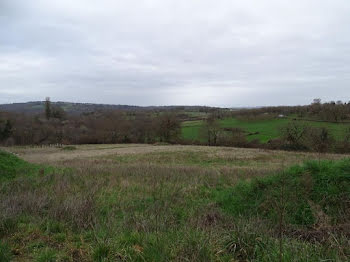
<point x="160" y="203"/>
<point x="167" y="154"/>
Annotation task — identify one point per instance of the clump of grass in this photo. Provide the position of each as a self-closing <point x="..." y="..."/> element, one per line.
<point x="7" y="225"/>
<point x="5" y="252"/>
<point x="250" y="241"/>
<point x="101" y="252"/>
<point x="47" y="255"/>
<point x="52" y="227"/>
<point x="69" y="148"/>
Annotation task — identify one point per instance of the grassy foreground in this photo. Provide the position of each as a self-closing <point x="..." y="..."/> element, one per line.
<point x="179" y="206"/>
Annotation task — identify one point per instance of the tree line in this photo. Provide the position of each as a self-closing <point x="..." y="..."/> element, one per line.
<point x="333" y="111"/>
<point x="55" y="126"/>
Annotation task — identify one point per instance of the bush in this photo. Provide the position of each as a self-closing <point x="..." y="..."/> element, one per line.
<point x="320" y="139"/>
<point x="344" y="146"/>
<point x="276" y="143"/>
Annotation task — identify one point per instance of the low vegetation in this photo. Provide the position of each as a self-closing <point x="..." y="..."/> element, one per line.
<point x="186" y="204"/>
<point x="11" y="166"/>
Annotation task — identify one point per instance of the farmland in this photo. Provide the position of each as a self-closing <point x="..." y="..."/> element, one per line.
<point x="262" y="130"/>
<point x="142" y="202"/>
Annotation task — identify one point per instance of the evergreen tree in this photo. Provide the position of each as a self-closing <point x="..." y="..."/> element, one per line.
<point x="48" y="108"/>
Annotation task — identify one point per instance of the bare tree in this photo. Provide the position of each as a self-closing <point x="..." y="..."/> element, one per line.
<point x="346" y="141"/>
<point x="211" y="130"/>
<point x="168" y="127"/>
<point x="316" y="106"/>
<point x="320" y="140"/>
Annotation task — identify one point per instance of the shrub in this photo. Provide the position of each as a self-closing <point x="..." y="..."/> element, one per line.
<point x="294" y="135"/>
<point x="320" y="139"/>
<point x="344" y="145"/>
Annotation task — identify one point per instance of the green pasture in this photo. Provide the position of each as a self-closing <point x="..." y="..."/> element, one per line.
<point x="265" y="129"/>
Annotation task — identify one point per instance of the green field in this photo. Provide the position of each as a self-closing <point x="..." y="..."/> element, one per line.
<point x="268" y="129"/>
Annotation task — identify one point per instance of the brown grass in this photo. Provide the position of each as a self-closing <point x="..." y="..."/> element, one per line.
<point x="97" y="153"/>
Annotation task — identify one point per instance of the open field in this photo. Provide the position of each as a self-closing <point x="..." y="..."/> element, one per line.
<point x="168" y="155"/>
<point x="181" y="203"/>
<point x="267" y="129"/>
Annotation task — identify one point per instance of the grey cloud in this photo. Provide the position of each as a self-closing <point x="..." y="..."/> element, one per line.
<point x="222" y="53"/>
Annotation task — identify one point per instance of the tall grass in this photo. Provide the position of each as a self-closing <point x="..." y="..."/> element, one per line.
<point x="107" y="210"/>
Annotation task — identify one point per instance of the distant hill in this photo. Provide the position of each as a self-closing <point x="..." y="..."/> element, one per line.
<point x="80" y="108"/>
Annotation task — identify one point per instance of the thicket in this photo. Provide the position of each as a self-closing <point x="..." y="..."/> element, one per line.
<point x="93" y="128"/>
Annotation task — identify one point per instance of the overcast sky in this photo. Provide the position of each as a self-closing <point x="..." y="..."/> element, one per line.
<point x="172" y="52"/>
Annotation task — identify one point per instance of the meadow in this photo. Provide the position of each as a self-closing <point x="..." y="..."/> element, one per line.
<point x="172" y="203"/>
<point x="262" y="130"/>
